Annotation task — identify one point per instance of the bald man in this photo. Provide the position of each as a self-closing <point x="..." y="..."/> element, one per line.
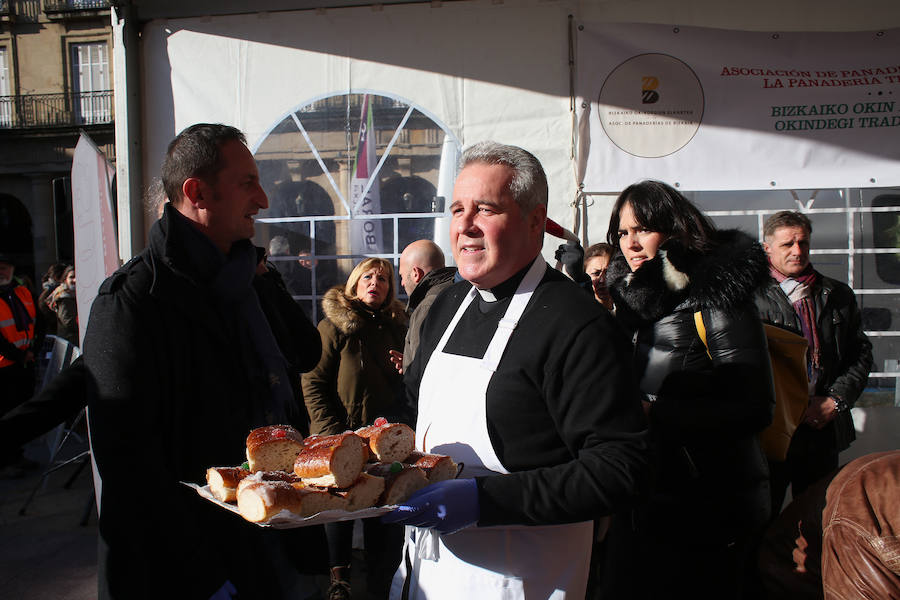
<point x="418" y="260"/>
<point x="423" y="276"/>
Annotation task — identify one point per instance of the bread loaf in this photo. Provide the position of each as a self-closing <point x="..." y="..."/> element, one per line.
<point x="332" y="461"/>
<point x="261" y="500"/>
<point x="273" y="448"/>
<point x="364" y="492"/>
<point x="223" y="482"/>
<point x="261" y="476"/>
<point x="437" y="467"/>
<point x="400" y="481"/>
<point x="389" y="442"/>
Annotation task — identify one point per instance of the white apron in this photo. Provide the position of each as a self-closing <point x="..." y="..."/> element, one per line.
<point x="538" y="562"/>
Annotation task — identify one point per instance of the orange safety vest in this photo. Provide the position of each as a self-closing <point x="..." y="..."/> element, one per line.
<point x="20" y="339"/>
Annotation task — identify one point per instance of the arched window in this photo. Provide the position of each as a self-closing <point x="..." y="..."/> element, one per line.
<point x="351" y="175"/>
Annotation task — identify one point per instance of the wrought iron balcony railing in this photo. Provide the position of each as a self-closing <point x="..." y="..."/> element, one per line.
<point x="74" y="5"/>
<point x="56" y="110"/>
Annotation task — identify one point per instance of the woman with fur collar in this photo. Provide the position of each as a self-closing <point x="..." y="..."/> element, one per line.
<point x="353" y="384"/>
<point x="706" y="400"/>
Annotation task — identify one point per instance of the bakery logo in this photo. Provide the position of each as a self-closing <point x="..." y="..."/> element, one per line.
<point x="649" y="95"/>
<point x="666" y="115"/>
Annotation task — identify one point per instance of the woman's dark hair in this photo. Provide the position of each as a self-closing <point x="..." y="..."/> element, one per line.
<point x="661" y="208"/>
<point x="54" y="272"/>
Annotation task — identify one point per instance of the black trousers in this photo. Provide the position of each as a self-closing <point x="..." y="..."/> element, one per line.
<point x="811" y="456"/>
<point x="642" y="566"/>
<point x="16" y="386"/>
<point x="384" y="546"/>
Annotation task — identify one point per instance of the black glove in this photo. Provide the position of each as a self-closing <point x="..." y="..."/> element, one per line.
<point x="571" y="255"/>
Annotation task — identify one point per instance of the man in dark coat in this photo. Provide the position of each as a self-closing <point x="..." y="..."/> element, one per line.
<point x="839" y="358"/>
<point x="190" y="345"/>
<point x="423" y="275"/>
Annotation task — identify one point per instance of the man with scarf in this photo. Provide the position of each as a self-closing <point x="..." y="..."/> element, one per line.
<point x="189" y="346"/>
<point x="839" y="355"/>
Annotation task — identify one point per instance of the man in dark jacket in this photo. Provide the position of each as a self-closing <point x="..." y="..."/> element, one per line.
<point x="423" y="276"/>
<point x="190" y="345"/>
<point x="839" y="358"/>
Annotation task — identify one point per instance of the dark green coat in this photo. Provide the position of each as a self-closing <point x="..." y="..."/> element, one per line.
<point x="355" y="382"/>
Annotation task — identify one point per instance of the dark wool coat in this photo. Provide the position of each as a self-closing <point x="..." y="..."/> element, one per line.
<point x="172" y="391"/>
<point x="706" y="408"/>
<point x="355" y="382"/>
<point x="420" y="302"/>
<point x="846" y="351"/>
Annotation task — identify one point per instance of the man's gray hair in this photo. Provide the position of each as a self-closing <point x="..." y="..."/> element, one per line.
<point x="786" y="218"/>
<point x="279" y="246"/>
<point x="529" y="183"/>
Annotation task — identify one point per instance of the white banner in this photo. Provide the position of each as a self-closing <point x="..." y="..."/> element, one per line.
<point x="365" y="189"/>
<point x="96" y="250"/>
<point x="710" y="109"/>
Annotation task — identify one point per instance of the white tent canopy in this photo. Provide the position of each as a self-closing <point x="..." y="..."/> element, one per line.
<point x="484" y="70"/>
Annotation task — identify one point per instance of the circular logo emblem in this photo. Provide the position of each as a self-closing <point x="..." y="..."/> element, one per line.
<point x="651" y="105"/>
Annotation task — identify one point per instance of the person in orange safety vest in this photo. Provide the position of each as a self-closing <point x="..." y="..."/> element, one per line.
<point x="17" y="337"/>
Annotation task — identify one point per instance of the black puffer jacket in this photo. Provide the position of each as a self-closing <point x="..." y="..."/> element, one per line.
<point x="706" y="407"/>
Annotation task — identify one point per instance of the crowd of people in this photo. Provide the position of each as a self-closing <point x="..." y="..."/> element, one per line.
<point x="609" y="428"/>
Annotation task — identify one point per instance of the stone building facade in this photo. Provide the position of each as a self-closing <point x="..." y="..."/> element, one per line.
<point x="55" y="81"/>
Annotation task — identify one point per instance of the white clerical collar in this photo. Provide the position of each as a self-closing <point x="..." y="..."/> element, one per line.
<point x="508" y="287"/>
<point x="486" y="295"/>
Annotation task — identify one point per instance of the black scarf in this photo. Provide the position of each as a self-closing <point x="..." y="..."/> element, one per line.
<point x="231" y="281"/>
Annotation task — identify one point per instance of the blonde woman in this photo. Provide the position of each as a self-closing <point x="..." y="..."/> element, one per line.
<point x="353" y="384"/>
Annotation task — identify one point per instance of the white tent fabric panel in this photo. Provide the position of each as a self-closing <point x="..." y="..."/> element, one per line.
<point x="251" y="71"/>
<point x="484" y="69"/>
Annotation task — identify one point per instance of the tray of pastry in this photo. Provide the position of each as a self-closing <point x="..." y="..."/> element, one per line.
<point x="290" y="481"/>
<point x="286" y="518"/>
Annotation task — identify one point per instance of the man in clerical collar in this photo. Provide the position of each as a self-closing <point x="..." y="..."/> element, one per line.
<point x="525" y="382"/>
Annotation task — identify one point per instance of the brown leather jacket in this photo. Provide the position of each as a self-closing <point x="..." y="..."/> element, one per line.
<point x="861" y="525"/>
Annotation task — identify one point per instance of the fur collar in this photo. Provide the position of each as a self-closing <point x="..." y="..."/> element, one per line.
<point x="725" y="277"/>
<point x="349" y="316"/>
